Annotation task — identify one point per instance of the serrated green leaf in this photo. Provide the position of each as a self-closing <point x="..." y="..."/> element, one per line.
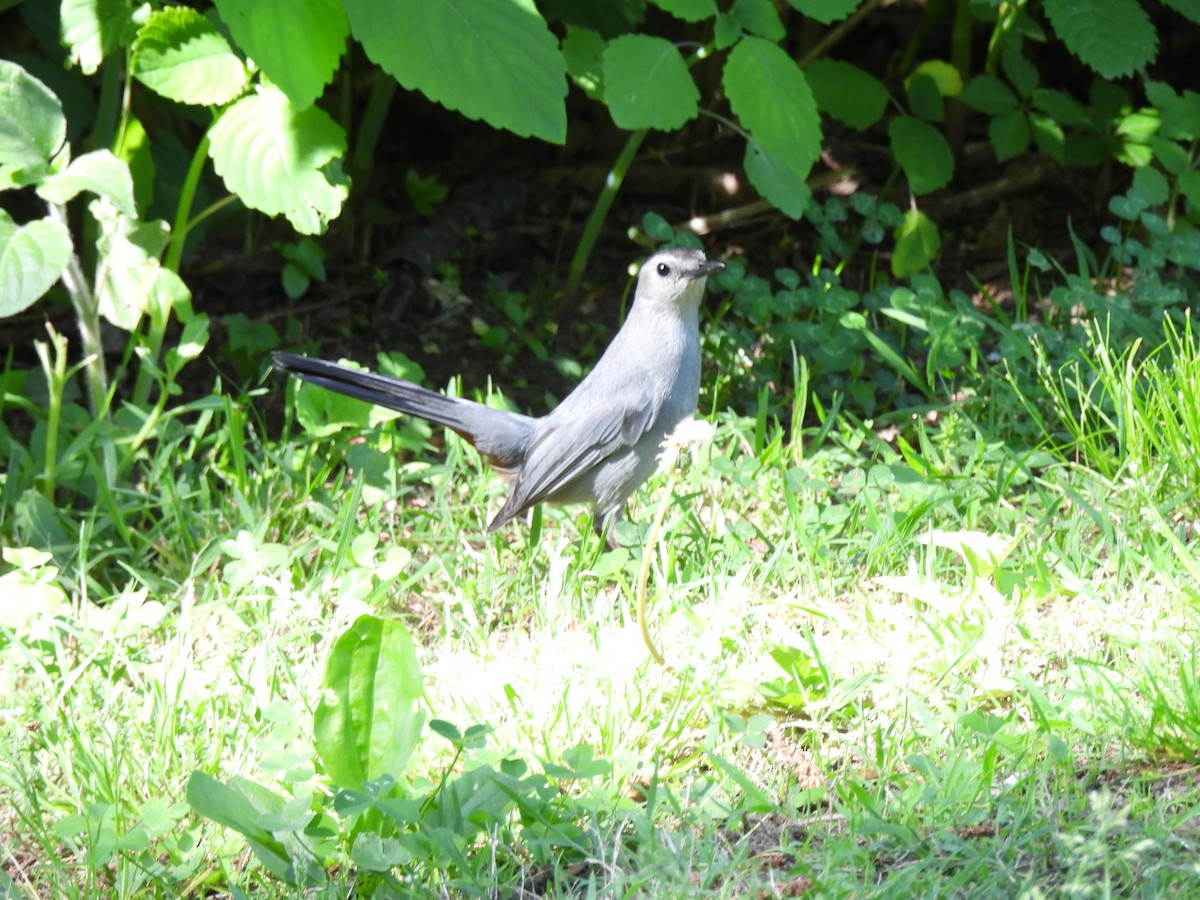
<point x="917" y="243"/>
<point x="99" y="172"/>
<point x="826" y="11"/>
<point x="276" y="158"/>
<point x="1114" y="38"/>
<point x="1170" y="155"/>
<point x="990" y="95"/>
<point x="1009" y="134"/>
<point x="32" y="257"/>
<point x="688" y="10"/>
<point x="647" y="84"/>
<point x="773" y="102"/>
<point x="1180" y="112"/>
<point x="847" y="93"/>
<point x="93" y="29"/>
<point x="786" y="188"/>
<point x="32" y="125"/>
<point x="1020" y="71"/>
<point x="179" y="55"/>
<point x="494" y="60"/>
<point x="1050" y="137"/>
<point x="1189" y="186"/>
<point x="923" y="154"/>
<point x="297" y="43"/>
<point x="583" y="49"/>
<point x="1061" y="107"/>
<point x="759" y="17"/>
<point x="1187" y="8"/>
<point x="370" y="716"/>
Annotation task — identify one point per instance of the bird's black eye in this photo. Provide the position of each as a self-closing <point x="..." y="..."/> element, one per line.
<point x="663" y="269"/>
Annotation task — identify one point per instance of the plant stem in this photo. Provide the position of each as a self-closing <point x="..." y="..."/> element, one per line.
<point x="183" y="210"/>
<point x="371" y="126"/>
<point x="87" y="314"/>
<point x="591" y="230"/>
<point x="644" y="570"/>
<point x="156" y="332"/>
<point x="56" y="377"/>
<point x="834" y="37"/>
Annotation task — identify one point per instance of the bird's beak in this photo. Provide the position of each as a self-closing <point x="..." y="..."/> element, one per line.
<point x="707" y="268"/>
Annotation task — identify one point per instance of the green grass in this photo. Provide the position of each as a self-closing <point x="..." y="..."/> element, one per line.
<point x="941" y="661"/>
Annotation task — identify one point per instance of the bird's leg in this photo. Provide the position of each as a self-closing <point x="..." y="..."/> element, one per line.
<point x="605" y="527"/>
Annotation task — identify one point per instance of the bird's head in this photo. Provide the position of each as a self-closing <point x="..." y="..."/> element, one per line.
<point x="674" y="278"/>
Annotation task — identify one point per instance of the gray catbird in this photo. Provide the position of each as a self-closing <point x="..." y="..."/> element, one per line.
<point x="603" y="440"/>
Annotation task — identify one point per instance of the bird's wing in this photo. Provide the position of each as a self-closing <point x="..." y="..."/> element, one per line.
<point x="566" y="449"/>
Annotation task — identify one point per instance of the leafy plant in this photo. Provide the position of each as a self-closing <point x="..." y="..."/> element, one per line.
<point x="128" y="282"/>
<point x="392" y="830"/>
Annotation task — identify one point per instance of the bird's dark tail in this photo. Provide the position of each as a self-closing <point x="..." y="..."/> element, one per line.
<point x="500" y="436"/>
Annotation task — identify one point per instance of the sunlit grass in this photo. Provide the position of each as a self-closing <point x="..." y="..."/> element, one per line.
<point x="935" y="662"/>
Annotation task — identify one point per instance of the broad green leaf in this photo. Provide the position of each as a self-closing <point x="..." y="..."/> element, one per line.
<point x="945" y="76"/>
<point x="1153" y="184"/>
<point x="647" y="84"/>
<point x="924" y="98"/>
<point x="990" y="95"/>
<point x="759" y="17"/>
<point x="786" y="188"/>
<point x="99" y="172"/>
<point x="277" y="159"/>
<point x="179" y="55"/>
<point x="132" y="277"/>
<point x="847" y="93"/>
<point x="241" y="806"/>
<point x="1114" y="38"/>
<point x="727" y="31"/>
<point x="225" y="806"/>
<point x="923" y="154"/>
<point x="688" y="10"/>
<point x="370" y="716"/>
<point x="93" y="29"/>
<point x="32" y="125"/>
<point x="135" y="150"/>
<point x="373" y="853"/>
<point x="32" y="257"/>
<point x="826" y="11"/>
<point x="917" y="243"/>
<point x="1060" y="107"/>
<point x="1009" y="134"/>
<point x="583" y="49"/>
<point x="297" y="43"/>
<point x="773" y="102"/>
<point x="494" y="60"/>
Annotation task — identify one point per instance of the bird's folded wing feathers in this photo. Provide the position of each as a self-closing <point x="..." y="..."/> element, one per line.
<point x="573" y="446"/>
